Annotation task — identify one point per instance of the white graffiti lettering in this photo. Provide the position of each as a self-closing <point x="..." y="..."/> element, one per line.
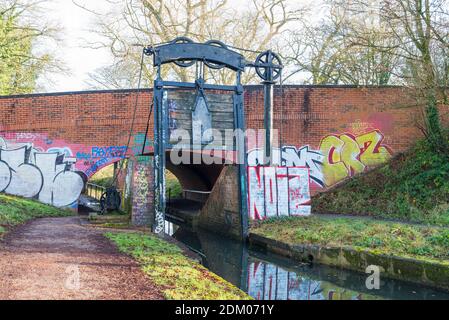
<point x="293" y="157"/>
<point x="46" y="176"/>
<point x="278" y="191"/>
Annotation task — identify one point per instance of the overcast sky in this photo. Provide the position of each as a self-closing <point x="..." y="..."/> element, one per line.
<point x="80" y="60"/>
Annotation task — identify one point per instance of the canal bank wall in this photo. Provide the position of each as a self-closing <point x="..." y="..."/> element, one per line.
<point x="422" y="272"/>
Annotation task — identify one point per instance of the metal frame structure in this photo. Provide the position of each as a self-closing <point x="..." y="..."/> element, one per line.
<point x="215" y="55"/>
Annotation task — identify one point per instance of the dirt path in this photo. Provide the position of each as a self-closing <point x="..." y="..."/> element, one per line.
<point x="44" y="259"/>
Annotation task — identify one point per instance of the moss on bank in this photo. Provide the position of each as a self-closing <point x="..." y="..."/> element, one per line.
<point x="14" y="211"/>
<point x="412" y="187"/>
<point x="181" y="277"/>
<point x="382" y="237"/>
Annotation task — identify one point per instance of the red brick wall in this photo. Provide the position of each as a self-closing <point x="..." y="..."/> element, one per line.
<point x="312" y="113"/>
<point x="104" y="118"/>
<point x="83" y="120"/>
<point x="91" y="118"/>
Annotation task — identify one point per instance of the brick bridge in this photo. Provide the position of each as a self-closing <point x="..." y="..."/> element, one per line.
<point x="52" y="144"/>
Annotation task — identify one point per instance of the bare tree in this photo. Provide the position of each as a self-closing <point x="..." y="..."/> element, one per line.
<point x="256" y="27"/>
<point x="380" y="42"/>
<point x="123" y="74"/>
<point x="24" y="55"/>
<point x="328" y="50"/>
<point x="420" y="29"/>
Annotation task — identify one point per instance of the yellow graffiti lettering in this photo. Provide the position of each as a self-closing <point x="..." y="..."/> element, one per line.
<point x="350" y="156"/>
<point x="372" y="151"/>
<point x="346" y="156"/>
<point x="334" y="169"/>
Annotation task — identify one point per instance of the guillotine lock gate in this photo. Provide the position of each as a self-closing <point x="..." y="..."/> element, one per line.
<point x="197" y="109"/>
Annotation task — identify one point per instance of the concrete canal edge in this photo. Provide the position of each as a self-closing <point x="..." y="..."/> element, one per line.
<point x="427" y="273"/>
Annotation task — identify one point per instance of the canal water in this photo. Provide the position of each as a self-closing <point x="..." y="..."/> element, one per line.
<point x="265" y="276"/>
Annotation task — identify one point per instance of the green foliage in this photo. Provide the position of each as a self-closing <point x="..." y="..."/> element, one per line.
<point x="399" y="239"/>
<point x="103" y="177"/>
<point x="435" y="135"/>
<point x="441" y="239"/>
<point x="20" y="65"/>
<point x="180" y="277"/>
<point x="14" y="211"/>
<point x="412" y="187"/>
<point x="173" y="186"/>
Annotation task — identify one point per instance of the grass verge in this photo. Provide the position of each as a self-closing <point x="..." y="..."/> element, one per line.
<point x="412" y="187"/>
<point x="181" y="277"/>
<point x="381" y="237"/>
<point x="14" y="211"/>
<point x="114" y="220"/>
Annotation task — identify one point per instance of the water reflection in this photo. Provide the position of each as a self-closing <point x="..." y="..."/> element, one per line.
<point x="267" y="281"/>
<point x="266" y="276"/>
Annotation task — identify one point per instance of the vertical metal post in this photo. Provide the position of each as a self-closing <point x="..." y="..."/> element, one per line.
<point x="268" y="93"/>
<point x="242" y="158"/>
<point x="159" y="155"/>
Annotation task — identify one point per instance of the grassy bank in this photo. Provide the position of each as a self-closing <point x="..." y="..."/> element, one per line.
<point x="103" y="177"/>
<point x="181" y="277"/>
<point x="14" y="211"/>
<point x="382" y="237"/>
<point x="413" y="187"/>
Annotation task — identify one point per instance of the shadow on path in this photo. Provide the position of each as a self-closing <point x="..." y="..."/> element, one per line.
<point x="45" y="258"/>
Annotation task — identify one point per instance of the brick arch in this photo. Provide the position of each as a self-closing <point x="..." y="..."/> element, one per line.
<point x="93" y="170"/>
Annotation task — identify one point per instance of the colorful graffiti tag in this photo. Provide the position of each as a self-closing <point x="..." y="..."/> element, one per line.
<point x="275" y="192"/>
<point x="51" y="171"/>
<point x="278" y="191"/>
<point x="293" y="157"/>
<point x="347" y="155"/>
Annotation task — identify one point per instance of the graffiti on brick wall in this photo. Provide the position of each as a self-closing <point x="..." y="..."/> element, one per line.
<point x="142" y="186"/>
<point x="103" y="152"/>
<point x="137" y="145"/>
<point x="278" y="191"/>
<point x="49" y="170"/>
<point x="293" y="157"/>
<point x="269" y="282"/>
<point x="49" y="176"/>
<point x="99" y="157"/>
<point x="347" y="155"/>
<point x="272" y="192"/>
<point x="143" y="195"/>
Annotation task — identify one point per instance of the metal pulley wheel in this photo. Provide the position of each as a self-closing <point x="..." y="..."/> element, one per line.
<point x="219" y="44"/>
<point x="269" y="66"/>
<point x="185" y="63"/>
<point x="110" y="200"/>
